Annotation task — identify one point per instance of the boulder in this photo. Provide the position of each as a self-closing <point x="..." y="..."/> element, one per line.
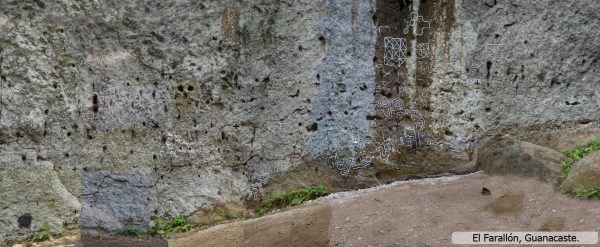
<point x="510" y="156"/>
<point x="585" y="173"/>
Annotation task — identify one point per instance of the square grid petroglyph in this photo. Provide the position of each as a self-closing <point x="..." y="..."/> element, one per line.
<point x="422" y="50"/>
<point x="492" y="52"/>
<point x="394" y="53"/>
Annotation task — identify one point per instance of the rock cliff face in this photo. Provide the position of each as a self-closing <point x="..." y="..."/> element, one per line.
<point x="194" y="104"/>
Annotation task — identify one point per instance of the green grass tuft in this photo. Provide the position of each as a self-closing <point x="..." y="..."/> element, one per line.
<point x="43" y="233"/>
<point x="583" y="193"/>
<point x="160" y="228"/>
<point x="566" y="168"/>
<point x="173" y="226"/>
<point x="576" y="154"/>
<point x="291" y="198"/>
<point x="225" y="214"/>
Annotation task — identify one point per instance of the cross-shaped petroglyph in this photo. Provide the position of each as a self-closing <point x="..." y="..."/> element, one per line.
<point x="417" y="21"/>
<point x="394" y="51"/>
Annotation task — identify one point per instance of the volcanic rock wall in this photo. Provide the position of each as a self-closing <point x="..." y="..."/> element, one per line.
<point x="187" y="105"/>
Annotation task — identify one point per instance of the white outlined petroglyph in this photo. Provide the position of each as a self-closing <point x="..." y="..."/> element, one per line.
<point x="417" y="21"/>
<point x="358" y="142"/>
<point x="492" y="52"/>
<point x="397" y="127"/>
<point x="394" y="51"/>
<point x="354" y="156"/>
<point x="410" y="137"/>
<point x="389" y="77"/>
<point x="254" y="194"/>
<point x="381" y="29"/>
<point x="382" y="86"/>
<point x="386" y="148"/>
<point x="386" y="73"/>
<point x="424" y="97"/>
<point x="390" y="108"/>
<point x="372" y="124"/>
<point x="397" y="107"/>
<point x="346" y="164"/>
<point x="417" y="118"/>
<point x="429" y="141"/>
<point x="422" y="50"/>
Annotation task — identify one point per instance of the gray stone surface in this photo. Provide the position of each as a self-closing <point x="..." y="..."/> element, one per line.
<point x="346" y="78"/>
<point x="113" y="201"/>
<point x="35" y="189"/>
<point x="214" y="99"/>
<point x="509" y="156"/>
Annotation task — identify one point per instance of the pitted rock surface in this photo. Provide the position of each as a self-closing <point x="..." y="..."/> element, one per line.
<point x="221" y="101"/>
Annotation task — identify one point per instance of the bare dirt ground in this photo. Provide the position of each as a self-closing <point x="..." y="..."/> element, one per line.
<point x="410" y="213"/>
<point x="414" y="213"/>
<point x="426" y="212"/>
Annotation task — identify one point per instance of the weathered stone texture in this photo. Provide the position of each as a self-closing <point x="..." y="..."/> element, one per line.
<point x="509" y="156"/>
<point x="214" y="99"/>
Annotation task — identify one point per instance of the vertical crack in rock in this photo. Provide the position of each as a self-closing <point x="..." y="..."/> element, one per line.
<point x="348" y="35"/>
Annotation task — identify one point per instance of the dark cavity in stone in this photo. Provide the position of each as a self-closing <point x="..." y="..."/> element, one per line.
<point x="25" y="220"/>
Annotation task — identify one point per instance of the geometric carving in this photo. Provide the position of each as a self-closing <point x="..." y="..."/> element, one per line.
<point x="414" y="19"/>
<point x="394" y="53"/>
<point x="422" y="50"/>
<point x="492" y="52"/>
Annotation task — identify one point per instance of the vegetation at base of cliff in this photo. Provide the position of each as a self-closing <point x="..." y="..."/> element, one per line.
<point x="178" y="224"/>
<point x="224" y="214"/>
<point x="290" y="198"/>
<point x="44" y="233"/>
<point x="576" y="154"/>
<point x="159" y="228"/>
<point x="173" y="226"/>
<point x="583" y="193"/>
<point x="566" y="168"/>
<point x="129" y="230"/>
